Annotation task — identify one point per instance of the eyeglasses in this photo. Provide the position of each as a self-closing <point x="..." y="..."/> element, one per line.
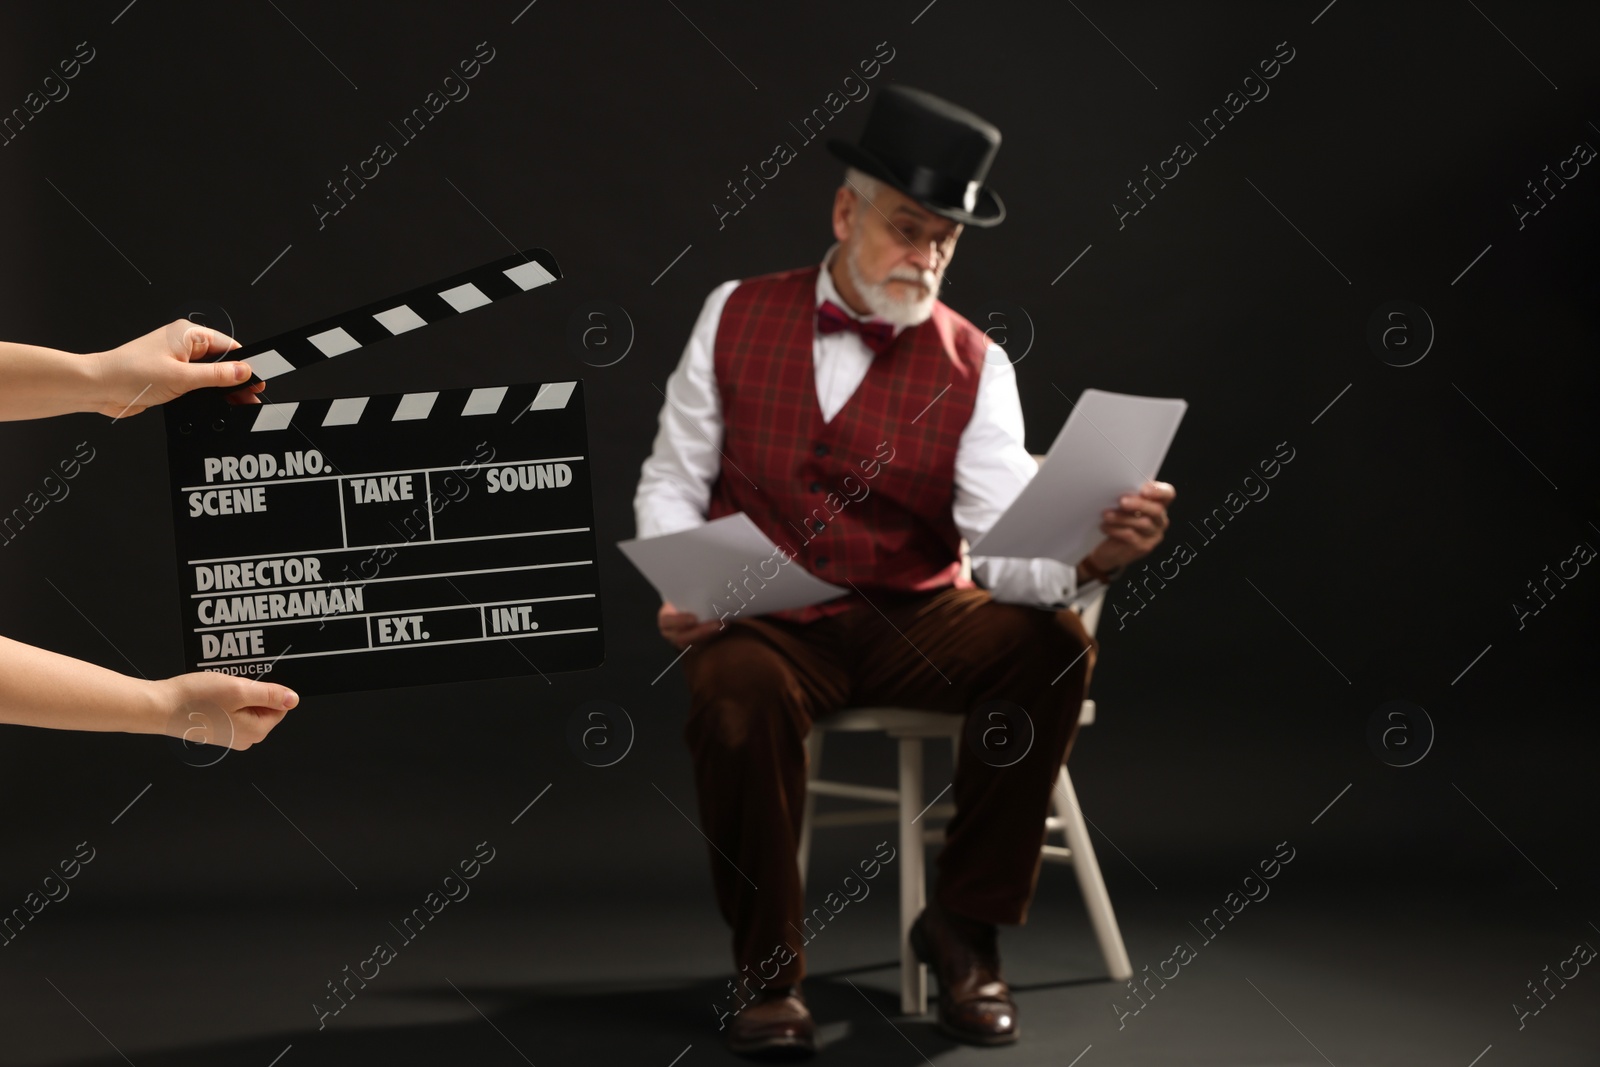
<point x="912" y="235"/>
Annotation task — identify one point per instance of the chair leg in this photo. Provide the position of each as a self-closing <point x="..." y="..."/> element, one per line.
<point x="913" y="888"/>
<point x="1090" y="882"/>
<point x="809" y="808"/>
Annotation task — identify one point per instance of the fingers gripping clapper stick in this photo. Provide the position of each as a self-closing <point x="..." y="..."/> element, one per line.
<point x="379" y="541"/>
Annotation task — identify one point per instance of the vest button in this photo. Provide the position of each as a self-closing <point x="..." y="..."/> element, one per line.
<point x="821" y="449"/>
<point x="817" y="525"/>
<point x="822" y="561"/>
<point x="816" y="487"/>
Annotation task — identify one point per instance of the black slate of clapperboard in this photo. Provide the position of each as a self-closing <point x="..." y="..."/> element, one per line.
<point x="402" y="557"/>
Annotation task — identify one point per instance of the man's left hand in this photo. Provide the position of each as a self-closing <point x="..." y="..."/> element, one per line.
<point x="1134" y="527"/>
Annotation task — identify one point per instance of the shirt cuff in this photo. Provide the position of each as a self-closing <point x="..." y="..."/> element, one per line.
<point x="1041" y="583"/>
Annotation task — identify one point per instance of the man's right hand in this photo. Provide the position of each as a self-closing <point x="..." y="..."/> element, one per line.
<point x="683" y="628"/>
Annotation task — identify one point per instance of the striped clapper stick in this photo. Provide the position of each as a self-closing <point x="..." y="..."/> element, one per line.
<point x="380" y="320"/>
<point x="372" y="542"/>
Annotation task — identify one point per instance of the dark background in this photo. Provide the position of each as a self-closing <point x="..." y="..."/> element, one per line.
<point x="194" y="144"/>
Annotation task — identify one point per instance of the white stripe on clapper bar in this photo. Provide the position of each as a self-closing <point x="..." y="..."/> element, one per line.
<point x="274" y="416"/>
<point x="269" y="364"/>
<point x="529" y="275"/>
<point x="334" y="342"/>
<point x="415" y="406"/>
<point x="484" y="401"/>
<point x="552" y="395"/>
<point x="398" y="320"/>
<point x="346" y="411"/>
<point x="465" y="297"/>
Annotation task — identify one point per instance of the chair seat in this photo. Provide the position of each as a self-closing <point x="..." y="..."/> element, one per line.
<point x="911" y="722"/>
<point x="897" y="722"/>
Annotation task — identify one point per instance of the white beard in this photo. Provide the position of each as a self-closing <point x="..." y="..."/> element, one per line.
<point x="886" y="305"/>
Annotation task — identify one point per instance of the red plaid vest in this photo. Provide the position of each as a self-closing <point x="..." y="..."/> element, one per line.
<point x="865" y="498"/>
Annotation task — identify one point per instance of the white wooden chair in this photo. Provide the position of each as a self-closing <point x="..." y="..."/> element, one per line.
<point x="911" y="727"/>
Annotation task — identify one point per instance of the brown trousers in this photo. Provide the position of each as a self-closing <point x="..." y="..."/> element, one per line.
<point x="756" y="687"/>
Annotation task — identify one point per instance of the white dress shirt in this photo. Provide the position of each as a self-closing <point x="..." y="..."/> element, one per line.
<point x="992" y="463"/>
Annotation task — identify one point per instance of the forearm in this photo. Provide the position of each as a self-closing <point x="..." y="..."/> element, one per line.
<point x="37" y="382"/>
<point x="41" y="688"/>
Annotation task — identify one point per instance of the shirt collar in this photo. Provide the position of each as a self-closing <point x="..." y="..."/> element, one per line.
<point x="826" y="290"/>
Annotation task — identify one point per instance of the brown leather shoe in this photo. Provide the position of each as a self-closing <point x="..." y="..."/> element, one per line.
<point x="776" y="1026"/>
<point x="975" y="1004"/>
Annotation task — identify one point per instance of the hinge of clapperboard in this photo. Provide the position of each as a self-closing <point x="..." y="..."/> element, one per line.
<point x="380" y="320"/>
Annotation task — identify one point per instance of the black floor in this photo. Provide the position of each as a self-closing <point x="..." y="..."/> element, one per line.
<point x="1361" y="974"/>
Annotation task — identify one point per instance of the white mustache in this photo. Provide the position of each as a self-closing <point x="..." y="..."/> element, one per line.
<point x="925" y="278"/>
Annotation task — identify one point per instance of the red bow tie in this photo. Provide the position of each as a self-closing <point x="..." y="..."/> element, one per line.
<point x="831" y="318"/>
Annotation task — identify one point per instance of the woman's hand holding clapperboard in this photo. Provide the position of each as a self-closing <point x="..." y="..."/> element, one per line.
<point x="42" y="688"/>
<point x="166" y="363"/>
<point x="160" y="366"/>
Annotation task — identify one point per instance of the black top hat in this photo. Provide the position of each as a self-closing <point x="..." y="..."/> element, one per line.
<point x="932" y="150"/>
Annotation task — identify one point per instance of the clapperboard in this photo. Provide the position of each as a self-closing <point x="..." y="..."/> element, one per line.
<point x="379" y="541"/>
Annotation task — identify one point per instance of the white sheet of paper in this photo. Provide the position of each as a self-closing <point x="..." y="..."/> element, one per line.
<point x="693" y="569"/>
<point x="1112" y="444"/>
